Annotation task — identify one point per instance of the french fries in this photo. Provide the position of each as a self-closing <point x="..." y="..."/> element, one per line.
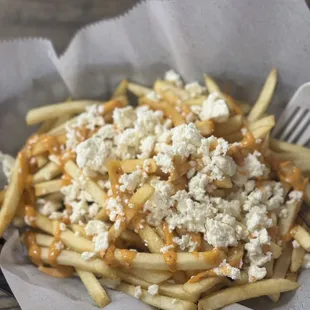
<point x="264" y="98"/>
<point x="247" y="291"/>
<point x="196" y="207"/>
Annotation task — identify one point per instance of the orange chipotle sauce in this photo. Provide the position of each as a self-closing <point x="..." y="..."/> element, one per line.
<point x="128" y="257"/>
<point x="34" y="251"/>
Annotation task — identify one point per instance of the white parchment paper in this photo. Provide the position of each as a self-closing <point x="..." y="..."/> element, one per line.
<point x="235" y="41"/>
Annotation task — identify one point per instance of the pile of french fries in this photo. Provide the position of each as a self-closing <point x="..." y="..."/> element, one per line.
<point x="57" y="251"/>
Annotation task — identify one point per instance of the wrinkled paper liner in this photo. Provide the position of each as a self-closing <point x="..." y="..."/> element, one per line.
<point x="237" y="42"/>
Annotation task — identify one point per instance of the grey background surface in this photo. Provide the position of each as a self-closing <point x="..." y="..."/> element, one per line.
<point x="57" y="20"/>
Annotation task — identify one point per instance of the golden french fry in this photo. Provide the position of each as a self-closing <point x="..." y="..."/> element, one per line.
<point x="202" y="285"/>
<point x="292" y="276"/>
<point x="206" y="127"/>
<point x="121" y="89"/>
<point x="301" y="236"/>
<point x="234" y="137"/>
<point x="267" y="121"/>
<point x="48" y="187"/>
<point x="151" y="239"/>
<point x="264" y="97"/>
<point x="45" y="126"/>
<point x="138" y="199"/>
<point x="211" y="85"/>
<point x="297" y="259"/>
<point x="232" y="125"/>
<point x="171" y="290"/>
<point x="158" y="301"/>
<point x="130" y="165"/>
<point x="280" y="269"/>
<point x="41" y="114"/>
<point x="152" y="276"/>
<point x="47" y="173"/>
<point x="245" y="107"/>
<point x="61" y="120"/>
<point x="2" y="194"/>
<point x="261" y="132"/>
<point x="195" y="101"/>
<point x="286" y="223"/>
<point x="269" y="268"/>
<point x="161" y="87"/>
<point x="138" y="90"/>
<point x="94" y="288"/>
<point x="184" y="261"/>
<point x="70" y="258"/>
<point x="12" y="197"/>
<point x="39" y="147"/>
<point x="224" y="183"/>
<point x="275" y="249"/>
<point x="282" y="146"/>
<point x="243" y="292"/>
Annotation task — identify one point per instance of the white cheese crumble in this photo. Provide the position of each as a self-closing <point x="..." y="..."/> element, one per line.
<point x="226" y="270"/>
<point x="101" y="241"/>
<point x="95" y="227"/>
<point x="87" y="255"/>
<point x="256" y="273"/>
<point x="254" y="167"/>
<point x="185" y="243"/>
<point x="62" y="226"/>
<point x="153" y="96"/>
<point x="194" y="89"/>
<point x="295" y="244"/>
<point x="59" y="246"/>
<point x="306" y="261"/>
<point x="7" y="162"/>
<point x="215" y="107"/>
<point x="173" y="77"/>
<point x="166" y="248"/>
<point x="94" y="153"/>
<point x="129" y="182"/>
<point x="48" y="207"/>
<point x="115" y="208"/>
<point x="153" y="289"/>
<point x="138" y="292"/>
<point x="124" y="117"/>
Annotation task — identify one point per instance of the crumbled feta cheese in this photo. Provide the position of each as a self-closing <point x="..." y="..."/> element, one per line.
<point x="194" y="89"/>
<point x="185" y="243"/>
<point x="62" y="226"/>
<point x="214" y="107"/>
<point x="130" y="181"/>
<point x="153" y="96"/>
<point x="94" y="153"/>
<point x="7" y="162"/>
<point x="159" y="203"/>
<point x="115" y="208"/>
<point x="94" y="227"/>
<point x="56" y="216"/>
<point x="79" y="209"/>
<point x="165" y="162"/>
<point x="124" y="117"/>
<point x="256" y="273"/>
<point x="257" y="217"/>
<point x="107" y="131"/>
<point x="173" y="77"/>
<point x="295" y="244"/>
<point x="166" y="248"/>
<point x="101" y="241"/>
<point x="254" y="167"/>
<point x="48" y="207"/>
<point x="87" y="255"/>
<point x="147" y="146"/>
<point x="138" y="292"/>
<point x="197" y="186"/>
<point x="294" y="196"/>
<point x="153" y="289"/>
<point x="59" y="246"/>
<point x="225" y="270"/>
<point x="255" y="253"/>
<point x="91" y="118"/>
<point x="93" y="210"/>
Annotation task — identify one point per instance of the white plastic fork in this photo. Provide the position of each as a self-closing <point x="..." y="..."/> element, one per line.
<point x="293" y="125"/>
